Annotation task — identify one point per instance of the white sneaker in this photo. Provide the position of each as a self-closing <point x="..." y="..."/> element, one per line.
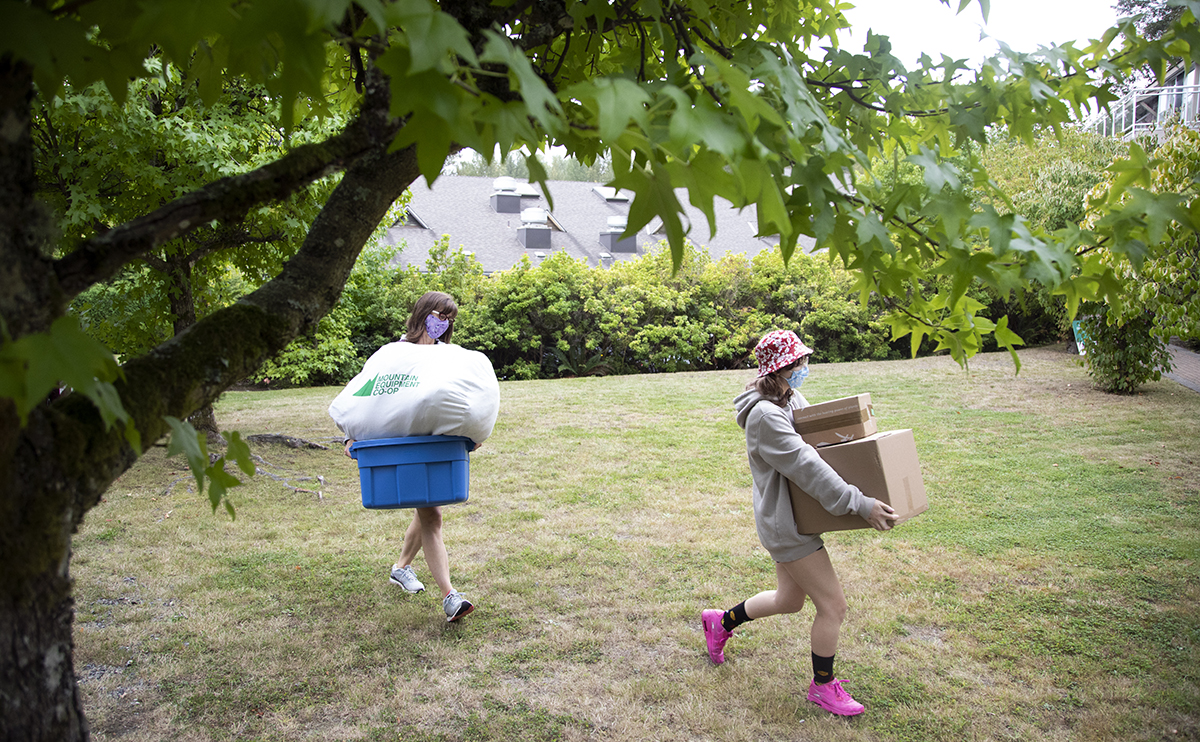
<point x="406" y="578"/>
<point x="456" y="606"/>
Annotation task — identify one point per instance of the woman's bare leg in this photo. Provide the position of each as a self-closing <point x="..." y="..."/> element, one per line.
<point x="787" y="598"/>
<point x="815" y="576"/>
<point x="412" y="543"/>
<point x="430" y="524"/>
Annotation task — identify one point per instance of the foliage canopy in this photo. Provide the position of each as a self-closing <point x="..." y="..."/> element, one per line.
<point x="1164" y="279"/>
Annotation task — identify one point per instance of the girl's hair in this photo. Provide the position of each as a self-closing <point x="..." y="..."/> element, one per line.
<point x="774" y="386"/>
<point x="432" y="301"/>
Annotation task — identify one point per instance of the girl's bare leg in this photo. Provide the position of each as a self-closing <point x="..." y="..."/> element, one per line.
<point x="787" y="598"/>
<point x="429" y="521"/>
<point x="814" y="575"/>
<point x="412" y="543"/>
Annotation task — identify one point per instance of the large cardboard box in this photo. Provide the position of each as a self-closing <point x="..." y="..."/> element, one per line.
<point x="883" y="466"/>
<point x="836" y="421"/>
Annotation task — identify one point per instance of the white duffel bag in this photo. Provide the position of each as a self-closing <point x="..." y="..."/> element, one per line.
<point x="406" y="389"/>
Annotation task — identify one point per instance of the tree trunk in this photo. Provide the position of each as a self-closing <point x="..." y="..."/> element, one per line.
<point x="183" y="313"/>
<point x="38" y="696"/>
<point x="204" y="420"/>
<point x="37" y="685"/>
<point x="55" y="468"/>
<point x="181" y="300"/>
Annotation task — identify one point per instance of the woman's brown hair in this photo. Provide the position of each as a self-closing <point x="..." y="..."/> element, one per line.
<point x="432" y="301"/>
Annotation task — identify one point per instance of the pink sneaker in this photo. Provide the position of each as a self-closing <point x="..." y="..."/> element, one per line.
<point x="715" y="634"/>
<point x="833" y="699"/>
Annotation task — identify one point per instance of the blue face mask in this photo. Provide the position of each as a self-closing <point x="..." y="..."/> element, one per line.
<point x="798" y="376"/>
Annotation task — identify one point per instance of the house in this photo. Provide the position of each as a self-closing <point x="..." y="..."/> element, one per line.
<point x="1149" y="110"/>
<point x="499" y="220"/>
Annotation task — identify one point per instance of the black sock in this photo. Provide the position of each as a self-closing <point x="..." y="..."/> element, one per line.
<point x="822" y="669"/>
<point x="735" y="617"/>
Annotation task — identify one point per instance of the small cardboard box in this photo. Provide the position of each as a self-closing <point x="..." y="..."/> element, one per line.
<point x="836" y="421"/>
<point x="883" y="466"/>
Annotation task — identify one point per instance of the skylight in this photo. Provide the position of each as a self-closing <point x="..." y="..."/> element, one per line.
<point x="610" y="194"/>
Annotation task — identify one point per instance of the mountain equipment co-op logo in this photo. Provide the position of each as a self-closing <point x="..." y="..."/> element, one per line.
<point x="387" y="384"/>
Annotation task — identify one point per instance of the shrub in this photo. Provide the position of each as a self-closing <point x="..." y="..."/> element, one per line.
<point x="564" y="318"/>
<point x="371" y="312"/>
<point x="1120" y="358"/>
<point x="327" y="357"/>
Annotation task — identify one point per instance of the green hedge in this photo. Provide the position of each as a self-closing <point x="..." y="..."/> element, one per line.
<point x="563" y="318"/>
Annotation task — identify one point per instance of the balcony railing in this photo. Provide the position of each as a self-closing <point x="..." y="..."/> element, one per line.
<point x="1148" y="111"/>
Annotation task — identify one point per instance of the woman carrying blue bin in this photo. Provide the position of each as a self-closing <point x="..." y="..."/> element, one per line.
<point x="416" y="396"/>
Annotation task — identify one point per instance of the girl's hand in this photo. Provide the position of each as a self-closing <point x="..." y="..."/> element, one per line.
<point x="349" y="443"/>
<point x="882" y="517"/>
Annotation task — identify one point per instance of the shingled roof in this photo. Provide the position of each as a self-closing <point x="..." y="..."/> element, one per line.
<point x="462" y="207"/>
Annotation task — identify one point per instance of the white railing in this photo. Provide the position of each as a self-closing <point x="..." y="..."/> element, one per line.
<point x="1148" y="110"/>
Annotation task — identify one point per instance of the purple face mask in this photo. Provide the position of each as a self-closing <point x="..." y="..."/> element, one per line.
<point x="435" y="326"/>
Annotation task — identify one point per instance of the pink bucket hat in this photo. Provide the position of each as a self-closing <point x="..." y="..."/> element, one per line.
<point x="777" y="349"/>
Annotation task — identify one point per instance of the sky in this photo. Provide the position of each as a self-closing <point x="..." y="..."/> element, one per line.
<point x="917" y="26"/>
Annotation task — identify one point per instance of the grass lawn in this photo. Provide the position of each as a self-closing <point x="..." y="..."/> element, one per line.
<point x="1051" y="592"/>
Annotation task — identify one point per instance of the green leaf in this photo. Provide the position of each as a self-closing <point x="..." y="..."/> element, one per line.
<point x="240" y="451"/>
<point x="618" y="102"/>
<point x="186" y="440"/>
<point x="541" y="102"/>
<point x="705" y="177"/>
<point x="751" y="107"/>
<point x="964" y="267"/>
<point x="872" y="232"/>
<point x="938" y="174"/>
<point x="220" y="482"/>
<point x="653" y="196"/>
<point x="537" y="174"/>
<point x="760" y="187"/>
<point x="36" y="364"/>
<point x="1008" y="340"/>
<point x="1000" y="228"/>
<point x="700" y="122"/>
<point x="433" y="137"/>
<point x="1138" y="168"/>
<point x="433" y="36"/>
<point x="1160" y="210"/>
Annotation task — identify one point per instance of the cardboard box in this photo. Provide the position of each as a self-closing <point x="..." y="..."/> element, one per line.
<point x="883" y="466"/>
<point x="836" y="421"/>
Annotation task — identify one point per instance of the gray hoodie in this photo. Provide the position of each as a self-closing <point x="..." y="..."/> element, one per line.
<point x="777" y="453"/>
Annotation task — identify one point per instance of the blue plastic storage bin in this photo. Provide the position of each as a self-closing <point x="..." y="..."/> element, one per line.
<point x="415" y="472"/>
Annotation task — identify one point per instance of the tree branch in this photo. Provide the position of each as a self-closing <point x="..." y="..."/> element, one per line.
<point x="852" y="93"/>
<point x="562" y="57"/>
<point x="156" y="263"/>
<point x="228" y="239"/>
<point x="100" y="257"/>
<point x="910" y="226"/>
<point x="193" y="368"/>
